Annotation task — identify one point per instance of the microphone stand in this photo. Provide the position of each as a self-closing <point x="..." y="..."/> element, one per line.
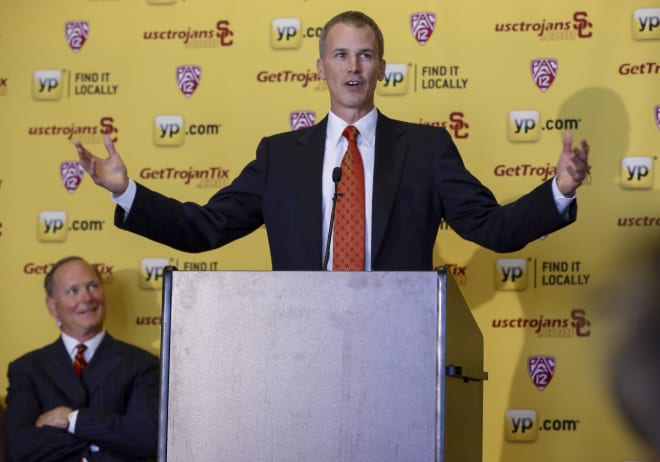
<point x="336" y="177"/>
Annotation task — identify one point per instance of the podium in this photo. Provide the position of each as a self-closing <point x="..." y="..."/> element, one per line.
<point x="319" y="366"/>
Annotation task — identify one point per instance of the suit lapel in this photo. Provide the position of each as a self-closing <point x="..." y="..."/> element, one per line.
<point x="107" y="357"/>
<point x="390" y="154"/>
<point x="309" y="151"/>
<point x="58" y="365"/>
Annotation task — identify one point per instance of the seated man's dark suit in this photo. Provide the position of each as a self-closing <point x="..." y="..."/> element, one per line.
<point x="419" y="179"/>
<point x="117" y="398"/>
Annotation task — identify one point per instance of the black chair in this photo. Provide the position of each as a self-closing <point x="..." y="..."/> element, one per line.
<point x="3" y="445"/>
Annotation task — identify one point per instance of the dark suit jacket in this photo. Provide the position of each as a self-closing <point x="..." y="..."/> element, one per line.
<point x="419" y="179"/>
<point x="117" y="398"/>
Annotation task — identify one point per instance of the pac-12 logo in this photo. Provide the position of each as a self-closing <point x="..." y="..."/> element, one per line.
<point x="301" y="119"/>
<point x="422" y="25"/>
<point x="637" y="173"/>
<point x="47" y="85"/>
<point x="395" y="81"/>
<point x="285" y="33"/>
<point x="541" y="370"/>
<point x="71" y="174"/>
<point x="524" y="126"/>
<point x="511" y="274"/>
<point x="168" y="130"/>
<point x="646" y="24"/>
<point x="544" y="71"/>
<point x="76" y="33"/>
<point x="187" y="78"/>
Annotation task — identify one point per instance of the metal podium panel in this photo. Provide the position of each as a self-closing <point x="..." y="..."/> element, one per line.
<point x="301" y="366"/>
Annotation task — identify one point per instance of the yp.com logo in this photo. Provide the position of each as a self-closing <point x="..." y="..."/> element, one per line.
<point x="151" y="272"/>
<point x="524" y="126"/>
<point x="395" y="81"/>
<point x="637" y="173"/>
<point x="168" y="130"/>
<point x="520" y="425"/>
<point x="646" y="24"/>
<point x="511" y="274"/>
<point x="52" y="226"/>
<point x="285" y="33"/>
<point x="47" y="85"/>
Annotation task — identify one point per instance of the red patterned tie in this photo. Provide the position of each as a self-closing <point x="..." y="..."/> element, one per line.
<point x="348" y="239"/>
<point x="79" y="361"/>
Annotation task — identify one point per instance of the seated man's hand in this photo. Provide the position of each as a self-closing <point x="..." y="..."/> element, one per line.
<point x="58" y="417"/>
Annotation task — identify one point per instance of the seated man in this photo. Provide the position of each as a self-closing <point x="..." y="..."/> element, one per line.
<point x="87" y="396"/>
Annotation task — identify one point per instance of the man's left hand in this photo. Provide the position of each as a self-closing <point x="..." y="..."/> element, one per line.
<point x="573" y="166"/>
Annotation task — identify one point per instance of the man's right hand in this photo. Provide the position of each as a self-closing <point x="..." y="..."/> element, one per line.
<point x="110" y="172"/>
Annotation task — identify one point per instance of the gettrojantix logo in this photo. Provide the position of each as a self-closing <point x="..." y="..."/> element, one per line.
<point x="220" y="35"/>
<point x="637" y="173"/>
<point x="578" y="27"/>
<point x="288" y="76"/>
<point x="40" y="269"/>
<point x="647" y="68"/>
<point x="523" y="425"/>
<point x="205" y="178"/>
<point x="646" y="24"/>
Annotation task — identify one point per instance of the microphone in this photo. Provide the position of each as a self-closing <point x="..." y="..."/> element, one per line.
<point x="336" y="177"/>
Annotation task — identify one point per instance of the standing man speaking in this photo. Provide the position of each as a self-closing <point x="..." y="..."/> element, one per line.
<point x="394" y="182"/>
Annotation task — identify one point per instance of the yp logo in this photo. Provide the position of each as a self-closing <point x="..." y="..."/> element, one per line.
<point x="511" y="274"/>
<point x="168" y="130"/>
<point x="646" y="24"/>
<point x="285" y="33"/>
<point x="520" y="425"/>
<point x="47" y="85"/>
<point x="52" y="226"/>
<point x="395" y="81"/>
<point x="524" y="126"/>
<point x="637" y="173"/>
<point x="151" y="272"/>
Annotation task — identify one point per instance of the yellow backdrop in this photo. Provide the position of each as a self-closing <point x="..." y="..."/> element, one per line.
<point x="188" y="87"/>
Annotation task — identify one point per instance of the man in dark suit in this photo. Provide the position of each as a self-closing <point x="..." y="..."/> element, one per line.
<point x="97" y="405"/>
<point x="413" y="178"/>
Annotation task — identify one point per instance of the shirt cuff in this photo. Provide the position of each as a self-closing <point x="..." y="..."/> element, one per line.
<point x="562" y="202"/>
<point x="73" y="418"/>
<point x="125" y="199"/>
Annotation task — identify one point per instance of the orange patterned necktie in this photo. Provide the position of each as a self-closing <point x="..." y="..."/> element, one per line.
<point x="79" y="362"/>
<point x="348" y="239"/>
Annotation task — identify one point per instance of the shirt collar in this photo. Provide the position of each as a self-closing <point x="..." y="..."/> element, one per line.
<point x="366" y="126"/>
<point x="92" y="344"/>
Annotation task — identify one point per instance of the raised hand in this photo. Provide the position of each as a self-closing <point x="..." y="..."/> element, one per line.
<point x="573" y="167"/>
<point x="110" y="172"/>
